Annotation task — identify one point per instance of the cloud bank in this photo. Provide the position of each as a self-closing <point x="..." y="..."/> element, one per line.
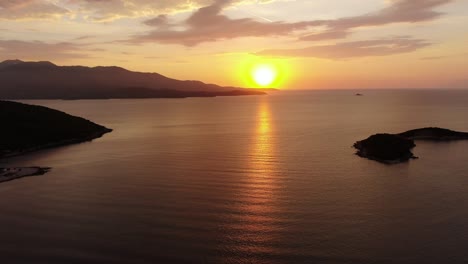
<point x="345" y="50"/>
<point x="32" y="9"/>
<point x="208" y="24"/>
<point x="37" y="50"/>
<point x="399" y="11"/>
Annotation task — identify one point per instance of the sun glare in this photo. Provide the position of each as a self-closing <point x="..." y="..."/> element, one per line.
<point x="264" y="75"/>
<point x="256" y="72"/>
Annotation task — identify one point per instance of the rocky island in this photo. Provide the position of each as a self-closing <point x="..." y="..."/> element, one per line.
<point x="27" y="128"/>
<point x="395" y="148"/>
<point x="386" y="148"/>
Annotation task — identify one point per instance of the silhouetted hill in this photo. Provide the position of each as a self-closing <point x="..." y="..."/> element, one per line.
<point x="45" y="80"/>
<point x="28" y="128"/>
<point x="434" y="133"/>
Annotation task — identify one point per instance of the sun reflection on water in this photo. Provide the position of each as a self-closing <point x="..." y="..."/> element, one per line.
<point x="259" y="217"/>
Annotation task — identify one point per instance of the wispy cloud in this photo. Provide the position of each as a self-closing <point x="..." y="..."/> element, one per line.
<point x="434" y="58"/>
<point x="106" y="10"/>
<point x="98" y="10"/>
<point x="345" y="50"/>
<point x="31" y="9"/>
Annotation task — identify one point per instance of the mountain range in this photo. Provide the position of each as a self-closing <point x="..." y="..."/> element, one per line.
<point x="45" y="80"/>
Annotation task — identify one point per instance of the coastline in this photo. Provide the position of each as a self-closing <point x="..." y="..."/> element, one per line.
<point x="386" y="161"/>
<point x="13" y="173"/>
<point x="32" y="128"/>
<point x="19" y="152"/>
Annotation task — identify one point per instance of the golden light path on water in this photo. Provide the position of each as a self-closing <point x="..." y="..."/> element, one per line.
<point x="259" y="223"/>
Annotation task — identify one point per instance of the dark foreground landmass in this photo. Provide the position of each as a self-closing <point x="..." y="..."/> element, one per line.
<point x="27" y="128"/>
<point x="45" y="80"/>
<point x="395" y="148"/>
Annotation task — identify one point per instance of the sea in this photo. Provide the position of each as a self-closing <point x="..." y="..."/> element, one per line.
<point x="247" y="179"/>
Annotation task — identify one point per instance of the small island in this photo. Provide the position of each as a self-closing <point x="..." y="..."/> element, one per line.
<point x="386" y="148"/>
<point x="396" y="148"/>
<point x="28" y="128"/>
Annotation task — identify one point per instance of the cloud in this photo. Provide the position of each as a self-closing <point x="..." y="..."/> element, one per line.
<point x="399" y="11"/>
<point x="37" y="50"/>
<point x="161" y="21"/>
<point x="104" y="10"/>
<point x="434" y="58"/>
<point x="98" y="10"/>
<point x="345" y="50"/>
<point x="31" y="9"/>
<point x="208" y="24"/>
<point x="84" y="37"/>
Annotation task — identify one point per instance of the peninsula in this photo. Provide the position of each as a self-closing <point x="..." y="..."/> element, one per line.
<point x="27" y="128"/>
<point x="396" y="148"/>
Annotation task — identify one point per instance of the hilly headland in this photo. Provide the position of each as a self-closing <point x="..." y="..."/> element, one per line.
<point x="27" y="128"/>
<point x="45" y="80"/>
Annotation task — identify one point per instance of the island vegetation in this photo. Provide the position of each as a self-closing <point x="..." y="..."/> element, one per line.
<point x="27" y="128"/>
<point x="395" y="148"/>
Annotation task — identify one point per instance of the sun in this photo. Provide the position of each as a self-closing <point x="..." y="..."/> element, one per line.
<point x="264" y="75"/>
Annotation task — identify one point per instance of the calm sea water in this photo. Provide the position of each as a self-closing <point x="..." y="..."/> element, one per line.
<point x="262" y="179"/>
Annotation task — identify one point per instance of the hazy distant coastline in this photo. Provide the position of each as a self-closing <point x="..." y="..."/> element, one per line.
<point x="45" y="80"/>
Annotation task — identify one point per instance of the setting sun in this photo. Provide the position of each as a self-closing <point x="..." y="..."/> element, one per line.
<point x="254" y="72"/>
<point x="264" y="75"/>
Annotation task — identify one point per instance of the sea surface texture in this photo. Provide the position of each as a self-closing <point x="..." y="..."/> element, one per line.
<point x="256" y="179"/>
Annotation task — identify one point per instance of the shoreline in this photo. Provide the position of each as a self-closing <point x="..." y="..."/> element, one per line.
<point x="31" y="128"/>
<point x="13" y="173"/>
<point x="14" y="153"/>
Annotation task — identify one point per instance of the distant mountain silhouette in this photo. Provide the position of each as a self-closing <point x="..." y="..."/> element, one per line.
<point x="45" y="80"/>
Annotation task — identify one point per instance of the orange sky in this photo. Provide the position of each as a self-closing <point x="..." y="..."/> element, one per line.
<point x="312" y="44"/>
